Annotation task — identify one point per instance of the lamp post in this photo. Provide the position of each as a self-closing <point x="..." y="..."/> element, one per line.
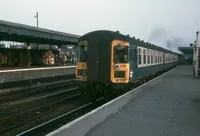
<point x="36" y="22"/>
<point x="36" y="19"/>
<point x="197" y="55"/>
<point x="194" y="58"/>
<point x="29" y="57"/>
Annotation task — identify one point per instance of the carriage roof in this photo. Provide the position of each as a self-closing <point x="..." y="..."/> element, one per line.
<point x="118" y="36"/>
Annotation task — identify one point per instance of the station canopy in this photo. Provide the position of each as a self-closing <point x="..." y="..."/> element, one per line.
<point x="186" y="50"/>
<point x="10" y="31"/>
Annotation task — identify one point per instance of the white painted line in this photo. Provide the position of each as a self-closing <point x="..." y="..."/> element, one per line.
<point x="101" y="107"/>
<point x="34" y="69"/>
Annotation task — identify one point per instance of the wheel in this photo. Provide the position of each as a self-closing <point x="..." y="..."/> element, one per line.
<point x="86" y="94"/>
<point x="108" y="94"/>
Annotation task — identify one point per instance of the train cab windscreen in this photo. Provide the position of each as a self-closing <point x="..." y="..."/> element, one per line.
<point x="81" y="53"/>
<point x="120" y="54"/>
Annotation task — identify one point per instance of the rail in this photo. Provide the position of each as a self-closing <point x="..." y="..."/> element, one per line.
<point x="34" y="91"/>
<point x="57" y="119"/>
<point x="19" y="118"/>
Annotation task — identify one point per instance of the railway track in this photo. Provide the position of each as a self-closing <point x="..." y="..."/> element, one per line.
<point x="10" y="97"/>
<point x="75" y="109"/>
<point x="45" y="118"/>
<point x="57" y="122"/>
<point x="16" y="115"/>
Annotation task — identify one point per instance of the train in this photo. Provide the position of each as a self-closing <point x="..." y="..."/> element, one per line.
<point x="108" y="60"/>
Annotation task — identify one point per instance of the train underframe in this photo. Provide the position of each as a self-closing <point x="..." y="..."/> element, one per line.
<point x="95" y="90"/>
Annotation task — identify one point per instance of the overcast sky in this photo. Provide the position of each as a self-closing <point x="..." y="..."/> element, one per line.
<point x="167" y="23"/>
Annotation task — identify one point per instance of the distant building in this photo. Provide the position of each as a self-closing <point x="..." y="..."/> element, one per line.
<point x="188" y="53"/>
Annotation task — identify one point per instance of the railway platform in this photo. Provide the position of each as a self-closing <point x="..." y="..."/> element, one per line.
<point x="168" y="105"/>
<point x="20" y="74"/>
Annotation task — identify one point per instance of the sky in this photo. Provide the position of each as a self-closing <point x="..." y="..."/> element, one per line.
<point x="166" y="23"/>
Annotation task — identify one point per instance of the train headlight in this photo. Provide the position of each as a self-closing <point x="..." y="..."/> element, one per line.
<point x="131" y="74"/>
<point x="117" y="66"/>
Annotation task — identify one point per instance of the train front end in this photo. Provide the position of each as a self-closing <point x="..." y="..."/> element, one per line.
<point x="103" y="61"/>
<point x="120" y="66"/>
<point x="81" y="66"/>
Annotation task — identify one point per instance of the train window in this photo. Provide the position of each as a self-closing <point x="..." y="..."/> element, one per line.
<point x="81" y="53"/>
<point x="159" y="57"/>
<point x="167" y="58"/>
<point x="151" y="56"/>
<point x="162" y="57"/>
<point x="144" y="56"/>
<point x="148" y="53"/>
<point x="139" y="56"/>
<point x="121" y="54"/>
<point x="155" y="57"/>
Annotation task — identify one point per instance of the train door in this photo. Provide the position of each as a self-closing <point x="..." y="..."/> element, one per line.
<point x="120" y="67"/>
<point x="93" y="60"/>
<point x="99" y="60"/>
<point x="132" y="60"/>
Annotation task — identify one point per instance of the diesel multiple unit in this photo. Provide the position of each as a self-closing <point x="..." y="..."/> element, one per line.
<point x="112" y="60"/>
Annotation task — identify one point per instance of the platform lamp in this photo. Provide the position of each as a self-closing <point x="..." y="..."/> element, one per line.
<point x="197" y="54"/>
<point x="193" y="46"/>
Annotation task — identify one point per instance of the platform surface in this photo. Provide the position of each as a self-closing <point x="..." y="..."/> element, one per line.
<point x="168" y="106"/>
<point x="20" y="74"/>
